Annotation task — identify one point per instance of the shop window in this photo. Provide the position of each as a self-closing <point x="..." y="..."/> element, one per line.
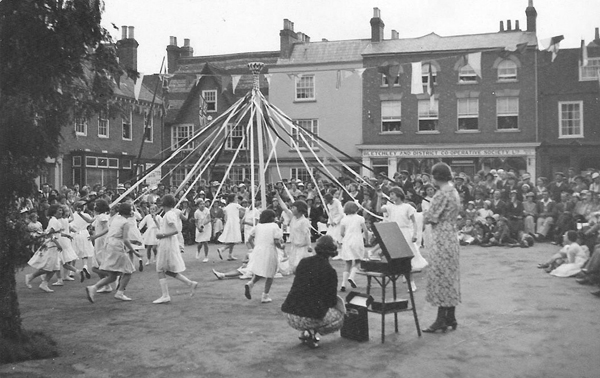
<point x="113" y="163"/>
<point x="126" y="164"/>
<point x="570" y="119"/>
<point x="428" y="115"/>
<point x="238" y="174"/>
<point x="91" y="161"/>
<point x="468" y="114"/>
<point x="102" y="162"/>
<point x="76" y="161"/>
<point x="507" y="70"/>
<point x="391" y="116"/>
<point x="305" y="87"/>
<point x="507" y="111"/>
<point x="301" y="138"/>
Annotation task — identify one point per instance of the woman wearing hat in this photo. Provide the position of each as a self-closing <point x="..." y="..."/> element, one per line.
<point x="443" y="275"/>
<point x="312" y="305"/>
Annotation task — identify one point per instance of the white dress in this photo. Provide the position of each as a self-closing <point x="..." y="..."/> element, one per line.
<point x="577" y="256"/>
<point x="232" y="231"/>
<point x="149" y="236"/>
<point x="116" y="258"/>
<point x="352" y="243"/>
<point x="135" y="236"/>
<point x="335" y="213"/>
<point x="299" y="241"/>
<point x="200" y="217"/>
<point x="100" y="225"/>
<point x="168" y="258"/>
<point x="47" y="257"/>
<point x="264" y="255"/>
<point x="401" y="215"/>
<point x="81" y="242"/>
<point x="250" y="215"/>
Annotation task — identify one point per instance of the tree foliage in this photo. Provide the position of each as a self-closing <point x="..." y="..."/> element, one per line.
<point x="57" y="63"/>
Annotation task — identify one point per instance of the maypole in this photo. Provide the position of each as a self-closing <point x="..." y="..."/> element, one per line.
<point x="256" y="67"/>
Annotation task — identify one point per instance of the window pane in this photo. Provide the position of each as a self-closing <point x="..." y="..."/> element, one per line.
<point x="570" y="119"/>
<point x="305" y="124"/>
<point x="305" y="87"/>
<point x="507" y="70"/>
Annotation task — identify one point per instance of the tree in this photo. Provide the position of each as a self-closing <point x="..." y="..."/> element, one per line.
<point x="56" y="64"/>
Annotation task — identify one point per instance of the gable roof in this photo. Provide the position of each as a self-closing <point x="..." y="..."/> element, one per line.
<point x="434" y="43"/>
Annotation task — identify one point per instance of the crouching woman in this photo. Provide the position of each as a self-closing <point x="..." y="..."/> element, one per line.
<point x="312" y="305"/>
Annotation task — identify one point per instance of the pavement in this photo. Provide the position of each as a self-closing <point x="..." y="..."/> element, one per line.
<point x="514" y="321"/>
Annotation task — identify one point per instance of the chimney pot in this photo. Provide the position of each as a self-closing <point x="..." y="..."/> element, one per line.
<point x="324" y="40"/>
<point x="186" y="42"/>
<point x="123" y="32"/>
<point x="501" y="26"/>
<point x="172" y="41"/>
<point x="376" y="13"/>
<point x="508" y="25"/>
<point x="517" y="28"/>
<point x="395" y="34"/>
<point x="131" y="32"/>
<point x="597" y="34"/>
<point x="530" y="4"/>
<point x="377" y="26"/>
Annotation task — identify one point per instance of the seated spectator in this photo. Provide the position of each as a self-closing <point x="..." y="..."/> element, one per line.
<point x="530" y="214"/>
<point x="498" y="205"/>
<point x="578" y="184"/>
<point x="546" y="216"/>
<point x="501" y="235"/>
<point x="485" y="212"/>
<point x="569" y="260"/>
<point x="467" y="234"/>
<point x="565" y="220"/>
<point x="514" y="214"/>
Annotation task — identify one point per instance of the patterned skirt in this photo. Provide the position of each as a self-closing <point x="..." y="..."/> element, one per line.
<point x="331" y="322"/>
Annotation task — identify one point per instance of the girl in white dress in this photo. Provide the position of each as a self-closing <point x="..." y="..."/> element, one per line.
<point x="232" y="231"/>
<point x="404" y="215"/>
<point x="149" y="239"/>
<point x="265" y="239"/>
<point x="202" y="222"/>
<point x="335" y="214"/>
<point x="46" y="261"/>
<point x="116" y="261"/>
<point x="81" y="240"/>
<point x="169" y="261"/>
<point x="68" y="255"/>
<point x="299" y="232"/>
<point x="353" y="231"/>
<point x="99" y="239"/>
<point x="250" y="220"/>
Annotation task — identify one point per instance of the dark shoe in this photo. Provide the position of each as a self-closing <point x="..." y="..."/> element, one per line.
<point x="141" y="266"/>
<point x="440" y="322"/>
<point x="247" y="291"/>
<point x="596" y="293"/>
<point x="352" y="283"/>
<point x="343" y="288"/>
<point x="451" y="318"/>
<point x="543" y="266"/>
<point x="81" y="276"/>
<point x="583" y="281"/>
<point x="219" y="253"/>
<point x="87" y="273"/>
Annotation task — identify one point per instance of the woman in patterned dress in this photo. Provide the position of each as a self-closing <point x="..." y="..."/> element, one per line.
<point x="443" y="275"/>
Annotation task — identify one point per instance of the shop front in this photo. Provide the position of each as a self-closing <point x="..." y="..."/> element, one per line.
<point x="389" y="159"/>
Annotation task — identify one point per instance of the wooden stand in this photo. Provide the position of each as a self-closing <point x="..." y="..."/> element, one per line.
<point x="384" y="279"/>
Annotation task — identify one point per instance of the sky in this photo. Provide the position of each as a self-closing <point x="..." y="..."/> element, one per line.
<point x="234" y="26"/>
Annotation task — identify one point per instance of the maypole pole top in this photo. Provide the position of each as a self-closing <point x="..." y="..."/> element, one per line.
<point x="256" y="67"/>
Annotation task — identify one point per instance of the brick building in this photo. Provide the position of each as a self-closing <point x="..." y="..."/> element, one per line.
<point x="569" y="110"/>
<point x="475" y="121"/>
<point x="200" y="89"/>
<point x="104" y="149"/>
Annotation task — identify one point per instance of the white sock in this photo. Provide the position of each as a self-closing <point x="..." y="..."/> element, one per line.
<point x="164" y="287"/>
<point x="352" y="273"/>
<point x="345" y="276"/>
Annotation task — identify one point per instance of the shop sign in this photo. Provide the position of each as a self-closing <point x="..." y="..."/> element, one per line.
<point x="435" y="153"/>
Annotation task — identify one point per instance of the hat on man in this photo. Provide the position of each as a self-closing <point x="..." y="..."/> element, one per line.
<point x="525" y="176"/>
<point x="559" y="174"/>
<point x="459" y="178"/>
<point x="530" y="194"/>
<point x="242" y="185"/>
<point x="198" y="201"/>
<point x="120" y="187"/>
<point x="300" y="183"/>
<point x="404" y="172"/>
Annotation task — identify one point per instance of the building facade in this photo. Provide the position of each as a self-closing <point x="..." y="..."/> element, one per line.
<point x="569" y="112"/>
<point x="482" y="113"/>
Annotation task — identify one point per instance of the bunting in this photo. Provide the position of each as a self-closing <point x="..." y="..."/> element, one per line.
<point x="553" y="45"/>
<point x="474" y="60"/>
<point x="341" y="75"/>
<point x="430" y="89"/>
<point x="360" y="71"/>
<point x="138" y="86"/>
<point x="197" y="80"/>
<point x="416" y="86"/>
<point x="268" y="77"/>
<point x="234" y="81"/>
<point x="225" y="81"/>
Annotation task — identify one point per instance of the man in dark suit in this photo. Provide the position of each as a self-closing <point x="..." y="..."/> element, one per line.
<point x="405" y="182"/>
<point x="498" y="206"/>
<point x="558" y="186"/>
<point x="547" y="215"/>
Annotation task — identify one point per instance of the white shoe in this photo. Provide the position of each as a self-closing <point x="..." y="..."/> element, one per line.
<point x="44" y="287"/>
<point x="121" y="295"/>
<point x="28" y="281"/>
<point x="69" y="278"/>
<point x="162" y="300"/>
<point x="205" y="260"/>
<point x="91" y="293"/>
<point x="59" y="283"/>
<point x="338" y="257"/>
<point x="147" y="262"/>
<point x="278" y="275"/>
<point x="246" y="277"/>
<point x="265" y="298"/>
<point x="193" y="288"/>
<point x="104" y="289"/>
<point x="219" y="275"/>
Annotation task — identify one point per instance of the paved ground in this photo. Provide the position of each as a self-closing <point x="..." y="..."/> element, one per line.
<point x="515" y="321"/>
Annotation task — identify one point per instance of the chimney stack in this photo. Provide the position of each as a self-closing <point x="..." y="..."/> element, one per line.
<point x="127" y="48"/>
<point x="395" y="34"/>
<point x="501" y="26"/>
<point x="517" y="28"/>
<point x="186" y="50"/>
<point x="508" y="25"/>
<point x="531" y="14"/>
<point x="173" y="54"/>
<point x="377" y="26"/>
<point x="597" y="38"/>
<point x="287" y="38"/>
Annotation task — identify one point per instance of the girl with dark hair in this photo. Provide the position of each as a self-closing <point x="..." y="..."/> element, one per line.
<point x="299" y="232"/>
<point x="116" y="262"/>
<point x="312" y="305"/>
<point x="169" y="261"/>
<point x="232" y="231"/>
<point x="443" y="275"/>
<point x="353" y="230"/>
<point x="265" y="238"/>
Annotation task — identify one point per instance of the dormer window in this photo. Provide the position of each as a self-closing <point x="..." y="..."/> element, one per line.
<point x="507" y="70"/>
<point x="467" y="75"/>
